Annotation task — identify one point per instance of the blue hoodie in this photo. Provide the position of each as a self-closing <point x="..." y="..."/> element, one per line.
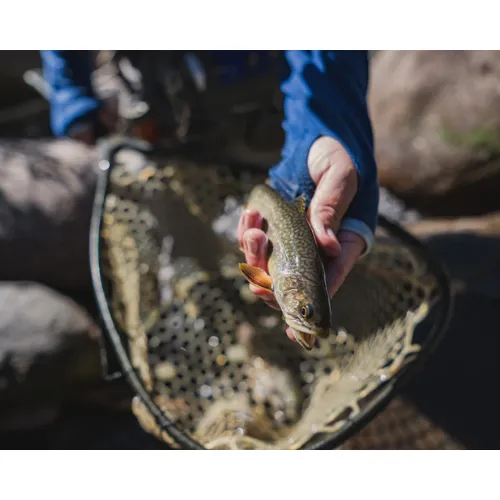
<point x="324" y="95"/>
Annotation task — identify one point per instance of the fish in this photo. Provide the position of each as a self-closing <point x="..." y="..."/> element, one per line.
<point x="297" y="277"/>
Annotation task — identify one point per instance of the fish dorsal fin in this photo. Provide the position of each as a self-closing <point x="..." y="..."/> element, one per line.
<point x="300" y="204"/>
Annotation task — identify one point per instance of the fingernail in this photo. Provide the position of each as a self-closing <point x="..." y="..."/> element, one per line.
<point x="329" y="232"/>
<point x="247" y="213"/>
<point x="250" y="219"/>
<point x="253" y="247"/>
<point x="254" y="220"/>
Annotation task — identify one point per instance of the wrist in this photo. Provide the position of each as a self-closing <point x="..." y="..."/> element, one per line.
<point x="291" y="178"/>
<point x="361" y="229"/>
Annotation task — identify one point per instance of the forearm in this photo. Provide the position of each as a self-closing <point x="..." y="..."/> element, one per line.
<point x="72" y="99"/>
<point x="325" y="95"/>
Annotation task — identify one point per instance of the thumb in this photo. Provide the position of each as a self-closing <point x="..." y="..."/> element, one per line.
<point x="336" y="179"/>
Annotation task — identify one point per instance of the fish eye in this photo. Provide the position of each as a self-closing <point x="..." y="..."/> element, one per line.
<point x="307" y="311"/>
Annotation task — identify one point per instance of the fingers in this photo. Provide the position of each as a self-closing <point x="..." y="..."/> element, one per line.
<point x="253" y="241"/>
<point x="255" y="248"/>
<point x="266" y="296"/>
<point x="290" y="334"/>
<point x="250" y="219"/>
<point x="352" y="246"/>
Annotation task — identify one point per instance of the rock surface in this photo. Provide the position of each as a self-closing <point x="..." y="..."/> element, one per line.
<point x="49" y="353"/>
<point x="436" y="117"/>
<point x="46" y="196"/>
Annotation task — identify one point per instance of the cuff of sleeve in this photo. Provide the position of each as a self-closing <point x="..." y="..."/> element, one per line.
<point x="291" y="177"/>
<point x="80" y="109"/>
<point x="361" y="229"/>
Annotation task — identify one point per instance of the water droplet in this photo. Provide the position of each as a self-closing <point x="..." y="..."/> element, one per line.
<point x="165" y="371"/>
<point x="154" y="342"/>
<point x="342" y="336"/>
<point x="213" y="341"/>
<point x="199" y="324"/>
<point x="205" y="391"/>
<point x="383" y="377"/>
<point x="104" y="164"/>
<point x="309" y="378"/>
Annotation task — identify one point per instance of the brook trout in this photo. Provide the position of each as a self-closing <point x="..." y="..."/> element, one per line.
<point x="296" y="272"/>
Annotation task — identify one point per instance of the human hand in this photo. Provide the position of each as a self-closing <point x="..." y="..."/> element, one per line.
<point x="336" y="179"/>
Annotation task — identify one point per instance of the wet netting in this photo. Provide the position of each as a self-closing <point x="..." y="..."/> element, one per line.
<point x="210" y="363"/>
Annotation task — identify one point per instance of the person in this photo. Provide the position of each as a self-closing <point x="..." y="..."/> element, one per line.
<point x="328" y="154"/>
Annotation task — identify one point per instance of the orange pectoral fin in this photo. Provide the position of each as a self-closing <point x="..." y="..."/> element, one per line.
<point x="256" y="276"/>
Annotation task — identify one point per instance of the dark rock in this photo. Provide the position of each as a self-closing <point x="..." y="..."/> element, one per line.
<point x="46" y="196"/>
<point x="437" y="128"/>
<point x="49" y="352"/>
<point x="84" y="428"/>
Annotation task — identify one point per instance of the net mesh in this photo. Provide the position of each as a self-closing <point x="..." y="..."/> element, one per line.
<point x="214" y="358"/>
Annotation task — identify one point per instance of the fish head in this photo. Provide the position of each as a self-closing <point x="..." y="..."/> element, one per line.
<point x="306" y="308"/>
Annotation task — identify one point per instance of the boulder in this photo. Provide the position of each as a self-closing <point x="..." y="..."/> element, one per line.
<point x="436" y="117"/>
<point x="46" y="196"/>
<point x="49" y="353"/>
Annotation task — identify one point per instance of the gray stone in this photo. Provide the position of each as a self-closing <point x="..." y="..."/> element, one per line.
<point x="46" y="196"/>
<point x="49" y="352"/>
<point x="436" y="117"/>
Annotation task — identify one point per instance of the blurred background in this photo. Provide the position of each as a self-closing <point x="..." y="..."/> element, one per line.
<point x="436" y="118"/>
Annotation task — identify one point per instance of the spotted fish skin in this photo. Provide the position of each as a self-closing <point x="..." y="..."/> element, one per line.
<point x="296" y="272"/>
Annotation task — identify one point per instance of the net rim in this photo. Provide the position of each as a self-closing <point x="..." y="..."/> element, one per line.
<point x="113" y="338"/>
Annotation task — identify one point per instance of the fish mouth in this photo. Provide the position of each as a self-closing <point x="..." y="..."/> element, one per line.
<point x="305" y="340"/>
<point x="306" y="337"/>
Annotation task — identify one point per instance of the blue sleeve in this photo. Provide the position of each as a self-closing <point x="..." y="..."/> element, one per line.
<point x="325" y="95"/>
<point x="72" y="100"/>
